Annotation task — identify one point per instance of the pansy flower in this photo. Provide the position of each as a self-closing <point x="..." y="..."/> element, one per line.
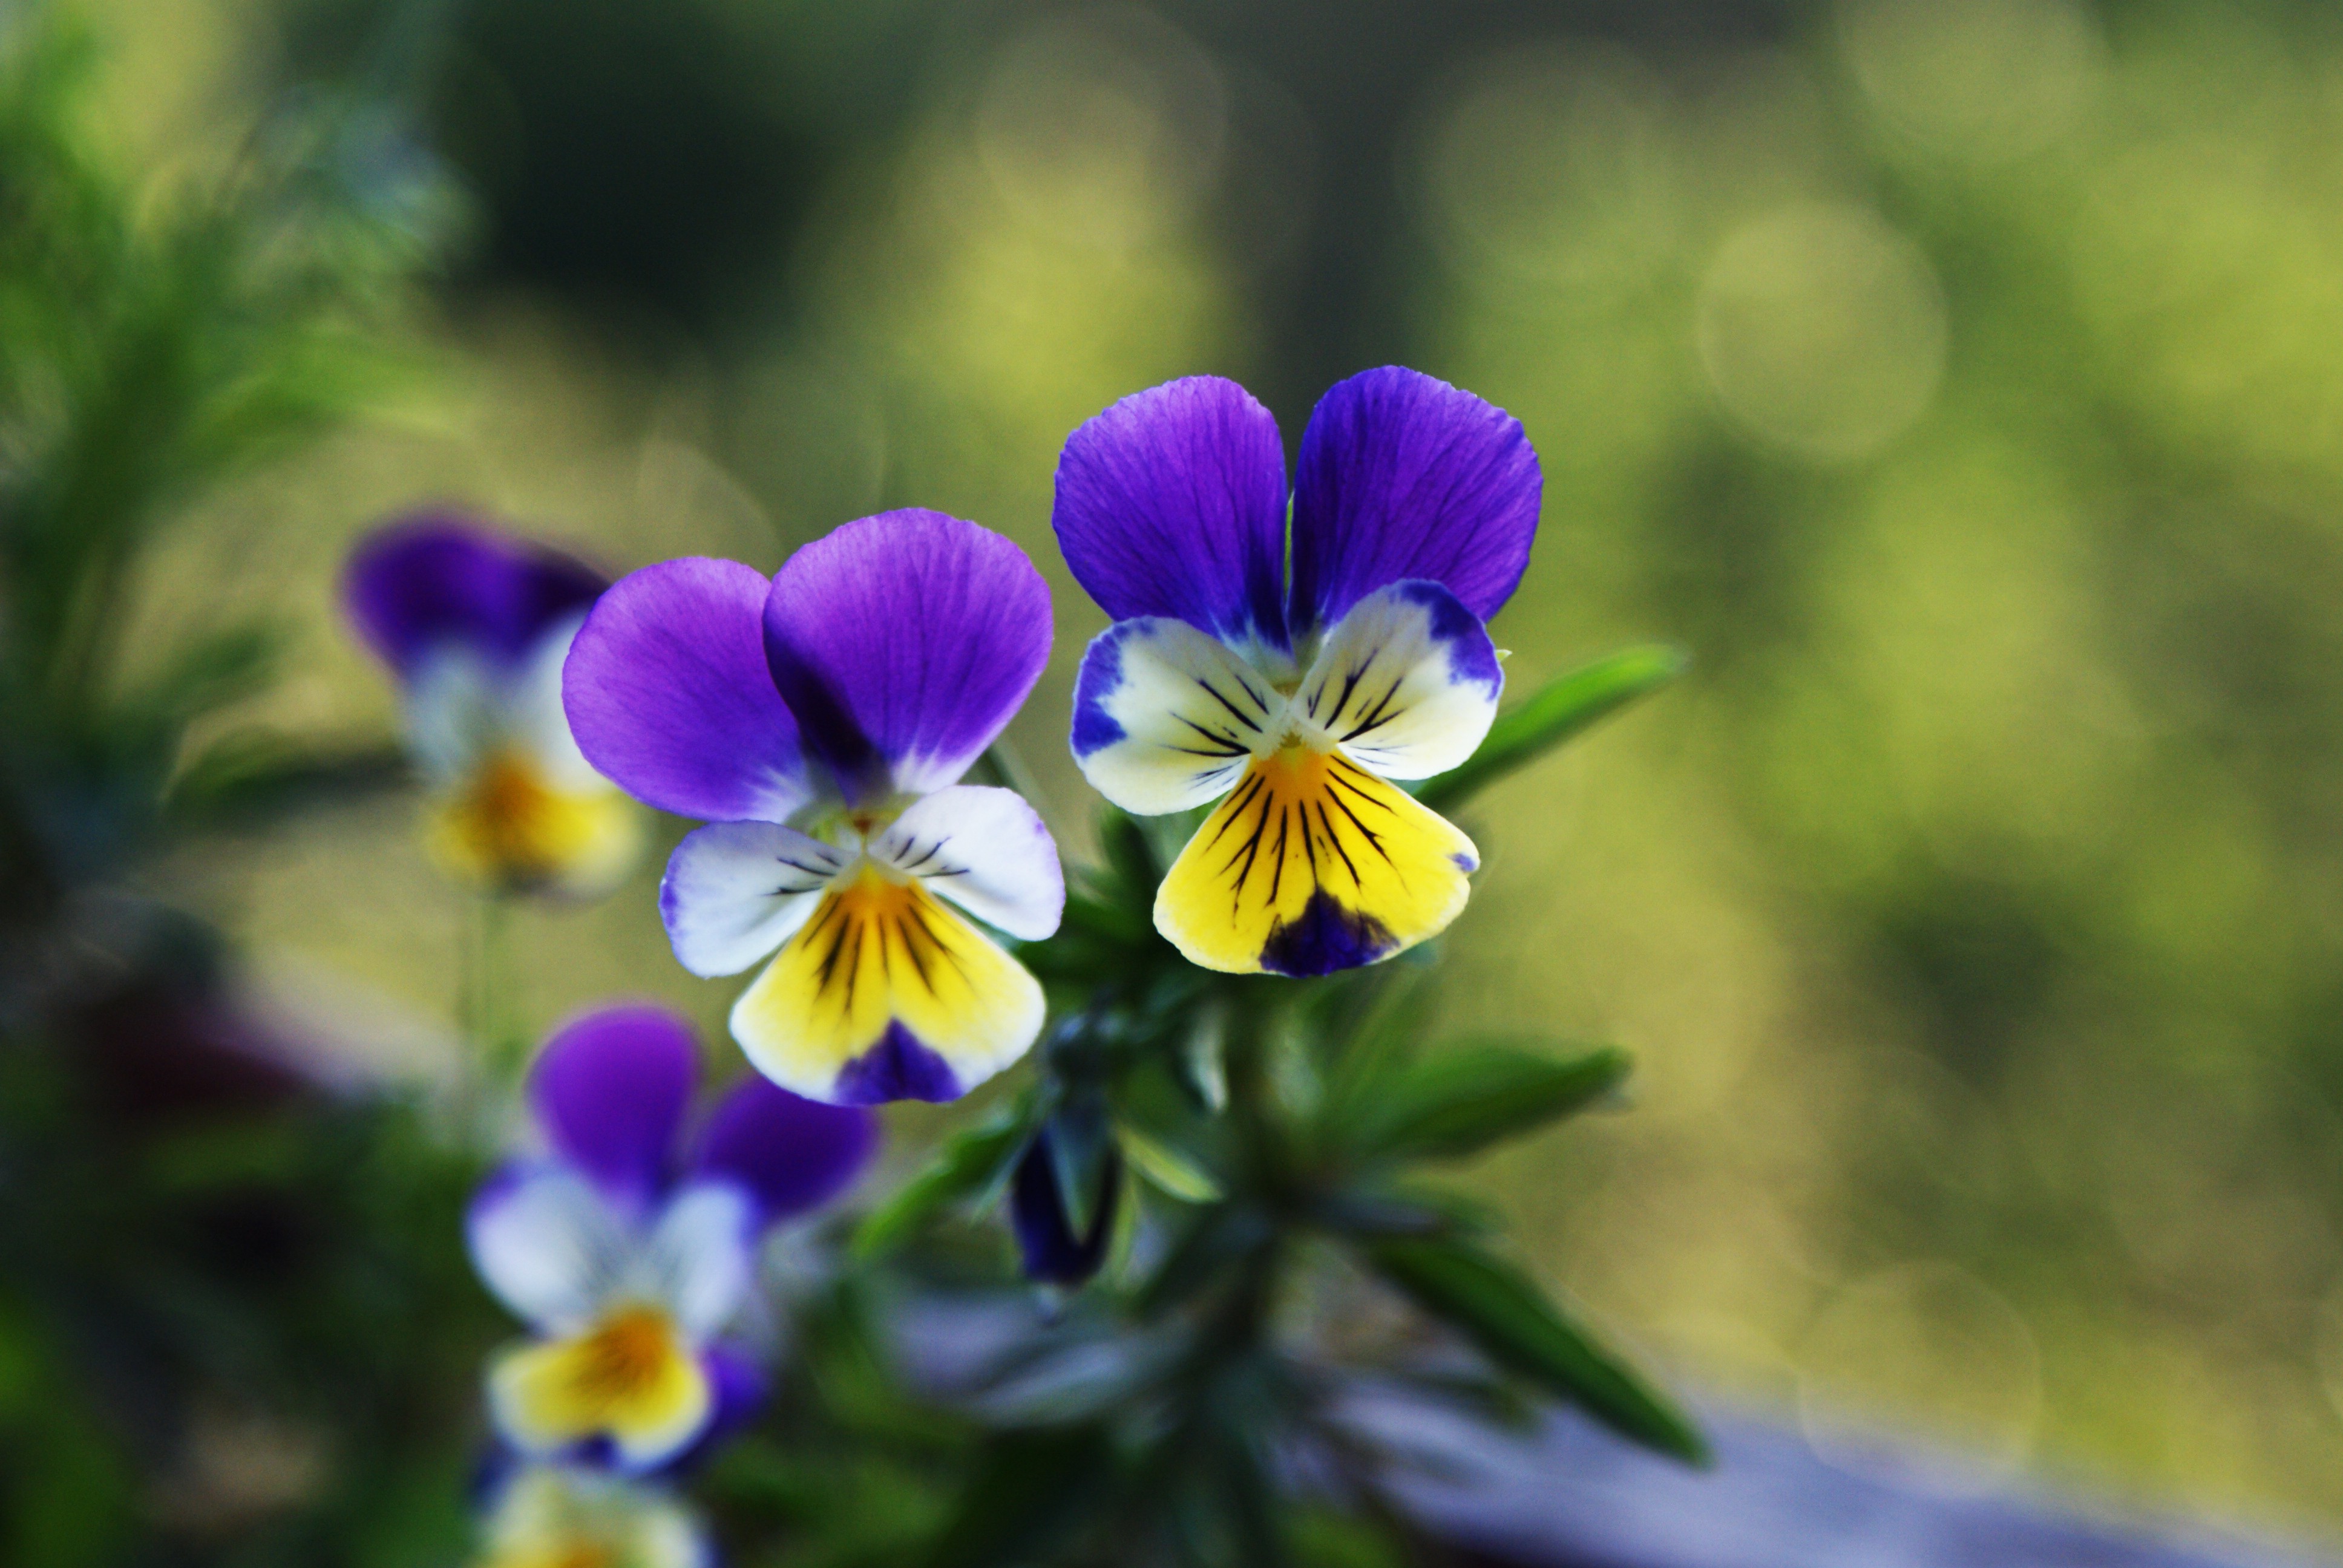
<point x="627" y="1256"/>
<point x="560" y="1516"/>
<point x="475" y="625"/>
<point x="1293" y="674"/>
<point x="820" y="722"/>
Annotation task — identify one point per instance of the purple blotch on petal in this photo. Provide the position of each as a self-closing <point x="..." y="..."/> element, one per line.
<point x="740" y="1387"/>
<point x="792" y="1154"/>
<point x="432" y="580"/>
<point x="1324" y="939"/>
<point x="609" y="1091"/>
<point x="1403" y="475"/>
<point x="1101" y="677"/>
<point x="670" y="697"/>
<point x="903" y="643"/>
<point x="1172" y="502"/>
<point x="898" y="1068"/>
<point x="1471" y="657"/>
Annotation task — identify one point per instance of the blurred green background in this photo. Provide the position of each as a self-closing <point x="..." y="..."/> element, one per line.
<point x="1960" y="380"/>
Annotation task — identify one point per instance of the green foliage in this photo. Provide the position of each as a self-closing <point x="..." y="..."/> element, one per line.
<point x="1469" y="1097"/>
<point x="1503" y="1311"/>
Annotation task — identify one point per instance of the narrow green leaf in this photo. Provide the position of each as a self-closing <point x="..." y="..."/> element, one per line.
<point x="968" y="1163"/>
<point x="1504" y="1312"/>
<point x="1167" y="1167"/>
<point x="1031" y="1490"/>
<point x="1459" y="1101"/>
<point x="1559" y="709"/>
<point x="1080" y="1146"/>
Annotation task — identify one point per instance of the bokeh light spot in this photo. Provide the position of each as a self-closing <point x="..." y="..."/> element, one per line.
<point x="1924" y="1346"/>
<point x="1990" y="80"/>
<point x="1822" y="330"/>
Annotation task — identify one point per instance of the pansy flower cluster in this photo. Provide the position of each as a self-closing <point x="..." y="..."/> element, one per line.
<point x="475" y="625"/>
<point x="632" y="1252"/>
<point x="819" y="722"/>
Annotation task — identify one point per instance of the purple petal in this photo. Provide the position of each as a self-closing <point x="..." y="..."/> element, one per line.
<point x="791" y="1153"/>
<point x="1402" y="476"/>
<point x="1172" y="503"/>
<point x="431" y="581"/>
<point x="670" y="697"/>
<point x="903" y="643"/>
<point x="742" y="1387"/>
<point x="610" y="1089"/>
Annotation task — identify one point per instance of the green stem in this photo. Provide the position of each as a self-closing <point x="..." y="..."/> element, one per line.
<point x="492" y="1054"/>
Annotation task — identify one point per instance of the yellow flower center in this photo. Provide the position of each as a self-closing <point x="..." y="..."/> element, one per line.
<point x="510" y="829"/>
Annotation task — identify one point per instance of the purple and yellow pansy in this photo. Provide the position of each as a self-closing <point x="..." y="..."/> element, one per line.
<point x="819" y="723"/>
<point x="562" y="1516"/>
<point x="1292" y="672"/>
<point x="629" y="1253"/>
<point x="476" y="625"/>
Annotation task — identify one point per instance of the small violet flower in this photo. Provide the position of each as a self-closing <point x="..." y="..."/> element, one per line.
<point x="476" y="626"/>
<point x="1295" y="675"/>
<point x="1052" y="1251"/>
<point x="627" y="1262"/>
<point x="556" y="1516"/>
<point x="820" y="722"/>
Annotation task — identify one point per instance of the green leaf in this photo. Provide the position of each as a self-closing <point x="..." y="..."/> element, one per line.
<point x="1030" y="1490"/>
<point x="968" y="1163"/>
<point x="251" y="777"/>
<point x="1461" y="1100"/>
<point x="1504" y="1312"/>
<point x="1564" y="707"/>
<point x="1167" y="1167"/>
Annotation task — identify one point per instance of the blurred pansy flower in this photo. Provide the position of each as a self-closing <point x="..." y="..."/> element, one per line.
<point x="628" y="1256"/>
<point x="555" y="1516"/>
<point x="1295" y="676"/>
<point x="476" y="625"/>
<point x="819" y="722"/>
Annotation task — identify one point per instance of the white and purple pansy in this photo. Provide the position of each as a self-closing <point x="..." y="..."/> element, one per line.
<point x="629" y="1253"/>
<point x="476" y="626"/>
<point x="563" y="1516"/>
<point x="819" y="723"/>
<point x="1291" y="673"/>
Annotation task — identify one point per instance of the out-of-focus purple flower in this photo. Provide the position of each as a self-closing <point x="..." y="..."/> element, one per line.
<point x="1052" y="1251"/>
<point x="819" y="722"/>
<point x="629" y="1251"/>
<point x="474" y="624"/>
<point x="563" y="1516"/>
<point x="1295" y="675"/>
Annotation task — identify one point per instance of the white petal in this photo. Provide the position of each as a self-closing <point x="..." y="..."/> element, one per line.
<point x="1406" y="682"/>
<point x="1165" y="718"/>
<point x="548" y="1246"/>
<point x="701" y="1257"/>
<point x="533" y="715"/>
<point x="734" y="892"/>
<point x="454" y="712"/>
<point x="984" y="849"/>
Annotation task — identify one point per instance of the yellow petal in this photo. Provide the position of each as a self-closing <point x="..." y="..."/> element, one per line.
<point x="886" y="994"/>
<point x="631" y="1377"/>
<point x="511" y="830"/>
<point x="1312" y="865"/>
